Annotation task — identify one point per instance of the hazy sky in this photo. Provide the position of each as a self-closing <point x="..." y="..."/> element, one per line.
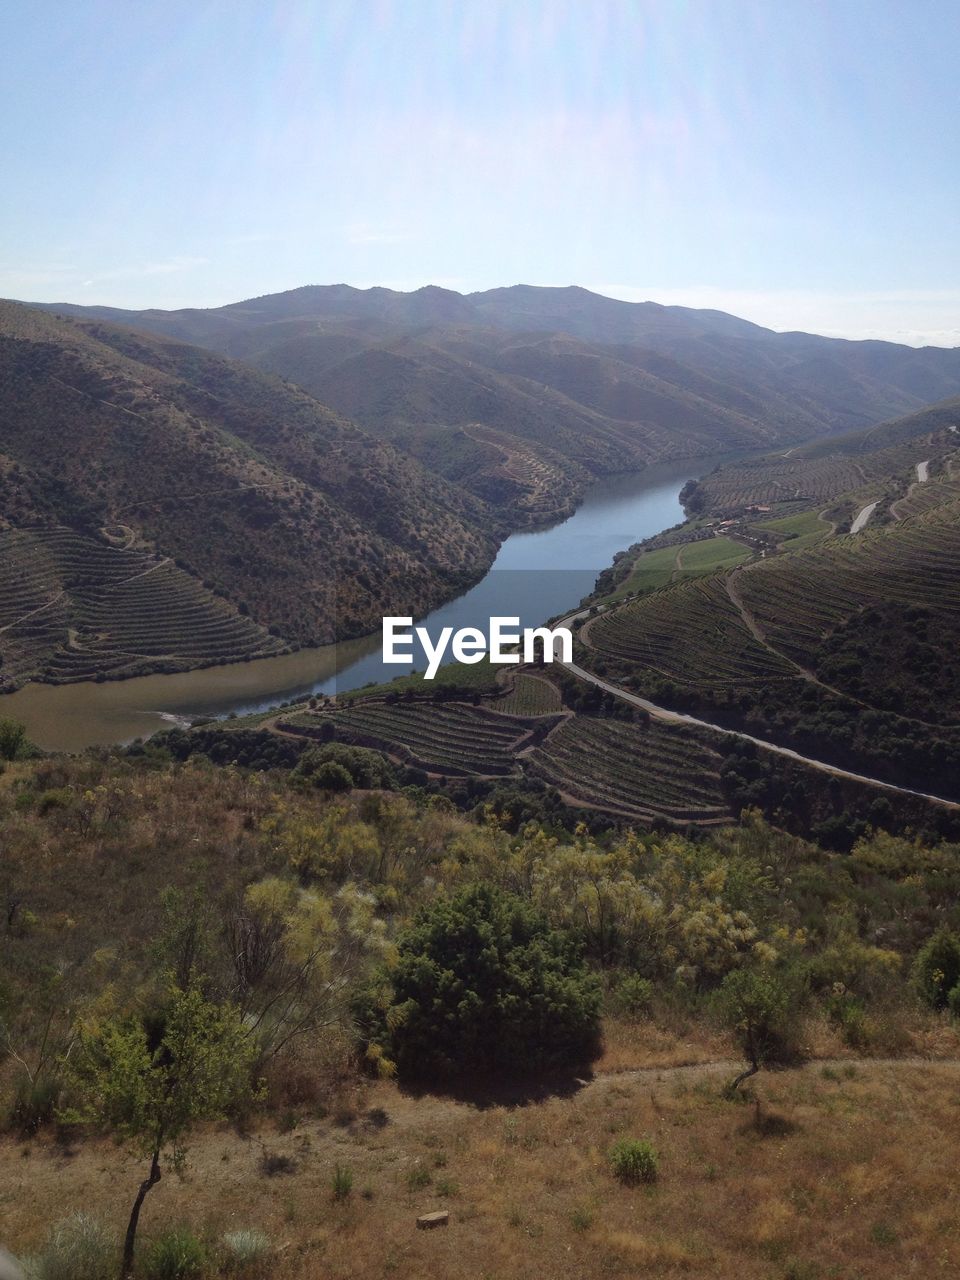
<point x="794" y="161"/>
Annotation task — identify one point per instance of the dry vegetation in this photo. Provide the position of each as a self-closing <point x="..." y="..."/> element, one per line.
<point x="842" y="1167"/>
<point x="842" y="1170"/>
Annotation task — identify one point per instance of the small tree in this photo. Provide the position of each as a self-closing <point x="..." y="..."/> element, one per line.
<point x="13" y="739"/>
<point x="150" y="1078"/>
<point x="761" y="1008"/>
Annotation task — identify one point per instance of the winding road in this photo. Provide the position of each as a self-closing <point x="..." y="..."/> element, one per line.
<point x="681" y="718"/>
<point x="863" y="516"/>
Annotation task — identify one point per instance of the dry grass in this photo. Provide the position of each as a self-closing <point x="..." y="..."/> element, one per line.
<point x="832" y="1170"/>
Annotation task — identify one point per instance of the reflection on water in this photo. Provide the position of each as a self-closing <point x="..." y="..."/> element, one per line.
<point x="536" y="576"/>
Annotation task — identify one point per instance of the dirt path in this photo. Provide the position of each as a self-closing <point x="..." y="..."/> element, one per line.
<point x="33" y="612"/>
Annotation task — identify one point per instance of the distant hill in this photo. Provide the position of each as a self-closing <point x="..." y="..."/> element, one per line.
<point x="240" y="496"/>
<point x="571" y="384"/>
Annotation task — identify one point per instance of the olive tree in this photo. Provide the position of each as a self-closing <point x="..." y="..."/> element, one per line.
<point x="149" y="1078"/>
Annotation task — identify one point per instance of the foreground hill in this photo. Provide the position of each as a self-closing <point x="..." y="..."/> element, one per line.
<point x="847" y="1152"/>
<point x="524" y="391"/>
<point x="254" y="504"/>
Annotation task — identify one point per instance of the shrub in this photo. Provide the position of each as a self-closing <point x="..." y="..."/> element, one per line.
<point x="481" y="983"/>
<point x="632" y="996"/>
<point x="953" y="1001"/>
<point x="245" y="1248"/>
<point x="634" y="1160"/>
<point x="78" y="1248"/>
<point x="936" y="970"/>
<point x="331" y="776"/>
<point x="341" y="1183"/>
<point x="34" y="1103"/>
<point x="174" y="1255"/>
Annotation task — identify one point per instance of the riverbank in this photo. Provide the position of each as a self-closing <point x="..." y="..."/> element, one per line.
<point x="537" y="574"/>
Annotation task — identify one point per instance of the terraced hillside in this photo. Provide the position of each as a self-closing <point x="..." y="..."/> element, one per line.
<point x="75" y="608"/>
<point x="643" y="771"/>
<point x="807" y="478"/>
<point x="845" y="650"/>
<point x="295" y="516"/>
<point x="451" y="738"/>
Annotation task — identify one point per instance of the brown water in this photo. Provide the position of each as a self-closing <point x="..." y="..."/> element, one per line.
<point x="537" y="575"/>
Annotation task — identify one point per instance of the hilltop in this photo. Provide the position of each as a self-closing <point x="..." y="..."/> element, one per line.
<point x="524" y="394"/>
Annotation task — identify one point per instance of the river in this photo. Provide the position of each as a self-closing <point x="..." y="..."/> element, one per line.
<point x="536" y="575"/>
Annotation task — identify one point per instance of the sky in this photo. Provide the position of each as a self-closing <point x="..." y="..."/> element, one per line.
<point x="796" y="162"/>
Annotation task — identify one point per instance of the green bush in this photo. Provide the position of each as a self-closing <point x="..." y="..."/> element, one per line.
<point x="174" y="1255"/>
<point x="482" y="984"/>
<point x="78" y="1248"/>
<point x="634" y="1160"/>
<point x="953" y="1001"/>
<point x="632" y="996"/>
<point x="331" y="776"/>
<point x="936" y="970"/>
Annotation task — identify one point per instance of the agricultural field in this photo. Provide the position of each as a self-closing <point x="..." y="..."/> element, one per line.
<point x="843" y="650"/>
<point x="805" y="478"/>
<point x="446" y="737"/>
<point x="650" y="570"/>
<point x="711" y="553"/>
<point x="643" y="770"/>
<point x="528" y="696"/>
<point x="803" y="530"/>
<point x="691" y="633"/>
<point x="73" y="608"/>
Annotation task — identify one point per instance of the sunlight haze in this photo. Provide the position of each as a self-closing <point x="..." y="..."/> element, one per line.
<point x="785" y="162"/>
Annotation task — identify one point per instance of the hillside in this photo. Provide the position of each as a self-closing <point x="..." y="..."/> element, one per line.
<point x="833" y="638"/>
<point x="248" y="497"/>
<point x="574" y="384"/>
<point x="229" y="876"/>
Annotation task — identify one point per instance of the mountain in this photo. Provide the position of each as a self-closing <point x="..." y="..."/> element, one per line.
<point x="239" y="512"/>
<point x="523" y="394"/>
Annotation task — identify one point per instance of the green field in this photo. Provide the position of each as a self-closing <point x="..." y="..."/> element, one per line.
<point x="802" y="530"/>
<point x="651" y="569"/>
<point x="712" y="553"/>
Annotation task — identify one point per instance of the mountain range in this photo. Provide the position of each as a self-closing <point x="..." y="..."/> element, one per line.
<point x="290" y="468"/>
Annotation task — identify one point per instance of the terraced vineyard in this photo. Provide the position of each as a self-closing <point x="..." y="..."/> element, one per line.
<point x="73" y="608"/>
<point x="449" y="737"/>
<point x="691" y="633"/>
<point x="799" y="599"/>
<point x="645" y="771"/>
<point x="530" y="696"/>
<point x="801" y="479"/>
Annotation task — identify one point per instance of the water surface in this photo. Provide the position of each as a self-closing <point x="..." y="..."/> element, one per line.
<point x="536" y="576"/>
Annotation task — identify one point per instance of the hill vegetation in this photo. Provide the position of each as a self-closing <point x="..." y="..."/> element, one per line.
<point x="841" y="647"/>
<point x="260" y="504"/>
<point x="523" y="394"/>
<point x="310" y="924"/>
